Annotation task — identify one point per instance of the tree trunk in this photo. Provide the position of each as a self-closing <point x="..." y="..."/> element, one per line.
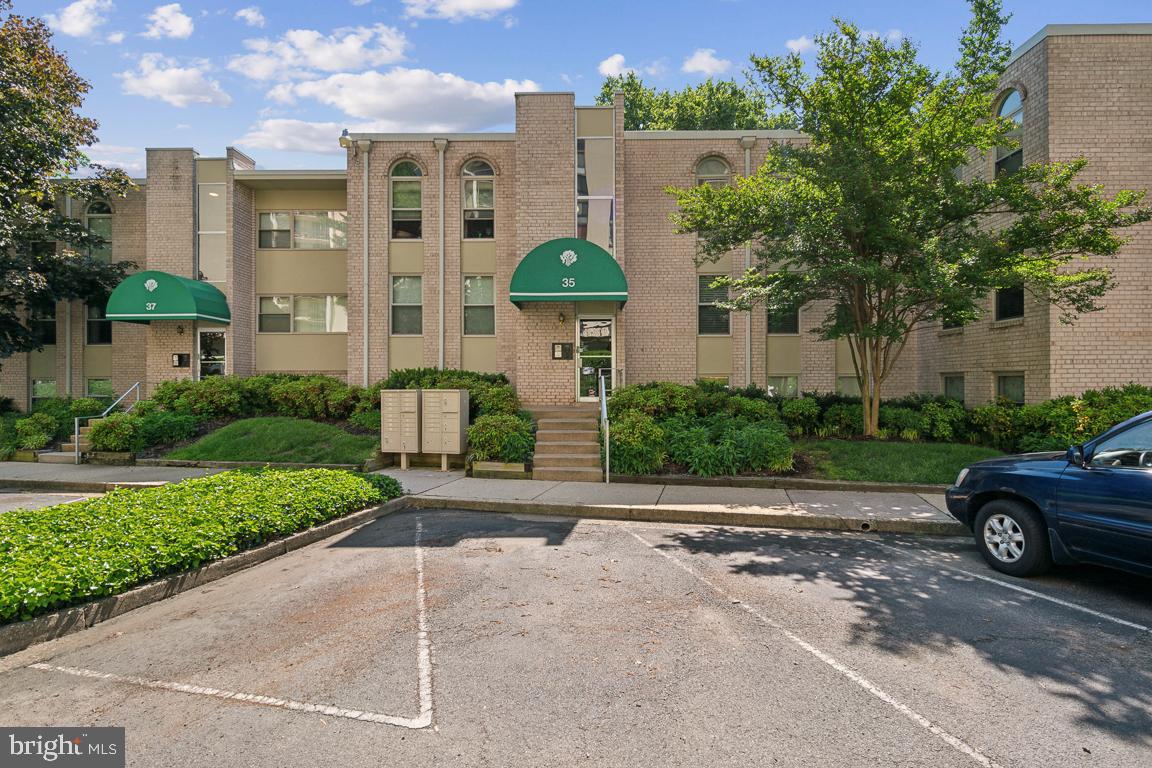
<point x="866" y="358"/>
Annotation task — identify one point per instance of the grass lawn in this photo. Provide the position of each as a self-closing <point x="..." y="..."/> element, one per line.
<point x="277" y="438"/>
<point x="891" y="462"/>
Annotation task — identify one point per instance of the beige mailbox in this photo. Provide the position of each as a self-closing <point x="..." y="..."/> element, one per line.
<point x="400" y="422"/>
<point x="444" y="423"/>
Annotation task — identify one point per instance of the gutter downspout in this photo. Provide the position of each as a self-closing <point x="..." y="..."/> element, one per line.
<point x="68" y="323"/>
<point x="747" y="142"/>
<point x="366" y="148"/>
<point x="441" y="145"/>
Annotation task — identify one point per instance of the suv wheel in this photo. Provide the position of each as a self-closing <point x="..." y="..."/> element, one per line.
<point x="1013" y="538"/>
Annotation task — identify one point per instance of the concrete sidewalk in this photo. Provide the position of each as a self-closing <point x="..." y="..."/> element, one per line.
<point x="768" y="507"/>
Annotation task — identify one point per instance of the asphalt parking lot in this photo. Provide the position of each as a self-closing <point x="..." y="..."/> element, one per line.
<point x="10" y="500"/>
<point x="449" y="638"/>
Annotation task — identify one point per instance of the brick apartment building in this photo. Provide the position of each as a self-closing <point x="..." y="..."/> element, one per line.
<point x="547" y="253"/>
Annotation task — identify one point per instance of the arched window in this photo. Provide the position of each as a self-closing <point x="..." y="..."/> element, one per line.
<point x="713" y="171"/>
<point x="98" y="219"/>
<point x="479" y="201"/>
<point x="407" y="215"/>
<point x="1009" y="159"/>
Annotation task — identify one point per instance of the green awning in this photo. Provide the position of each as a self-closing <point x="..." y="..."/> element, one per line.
<point x="152" y="295"/>
<point x="568" y="269"/>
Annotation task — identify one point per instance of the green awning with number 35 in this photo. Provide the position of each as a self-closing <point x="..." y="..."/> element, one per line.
<point x="568" y="269"/>
<point x="152" y="295"/>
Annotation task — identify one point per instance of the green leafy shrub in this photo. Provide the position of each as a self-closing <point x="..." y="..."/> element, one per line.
<point x="711" y="459"/>
<point x="1037" y="442"/>
<point x="761" y="447"/>
<point x="216" y="397"/>
<point x="369" y="420"/>
<point x="433" y="378"/>
<point x="997" y="424"/>
<point x="116" y="432"/>
<point x="944" y="420"/>
<point x="658" y="400"/>
<point x="844" y="419"/>
<point x="637" y="444"/>
<point x="389" y="487"/>
<point x="66" y="554"/>
<point x="903" y="421"/>
<point x="497" y="398"/>
<point x="313" y="397"/>
<point x="162" y="428"/>
<point x="36" y="431"/>
<point x="681" y="435"/>
<point x="753" y="409"/>
<point x="801" y="414"/>
<point x="501" y="437"/>
<point x="169" y="393"/>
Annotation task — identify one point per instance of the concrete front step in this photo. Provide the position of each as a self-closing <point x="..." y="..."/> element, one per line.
<point x="552" y="447"/>
<point x="567" y="436"/>
<point x="555" y="414"/>
<point x="71" y="447"/>
<point x="547" y="425"/>
<point x="578" y="474"/>
<point x="57" y="457"/>
<point x="566" y="460"/>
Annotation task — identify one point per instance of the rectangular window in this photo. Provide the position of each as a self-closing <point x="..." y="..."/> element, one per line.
<point x="42" y="323"/>
<point x="785" y="386"/>
<point x="43" y="389"/>
<point x="847" y="385"/>
<point x="948" y="324"/>
<point x="406" y="210"/>
<point x="275" y="314"/>
<point x="784" y="323"/>
<point x="101" y="388"/>
<point x="99" y="326"/>
<point x="954" y="386"/>
<point x="479" y="216"/>
<point x="320" y="230"/>
<point x="479" y="306"/>
<point x="1010" y="303"/>
<point x="710" y="319"/>
<point x="303" y="314"/>
<point x="1010" y="386"/>
<point x="101" y="226"/>
<point x="596" y="222"/>
<point x="407" y="305"/>
<point x="275" y="230"/>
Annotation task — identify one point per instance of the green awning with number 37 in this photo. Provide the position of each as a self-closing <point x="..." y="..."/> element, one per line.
<point x="152" y="295"/>
<point x="568" y="269"/>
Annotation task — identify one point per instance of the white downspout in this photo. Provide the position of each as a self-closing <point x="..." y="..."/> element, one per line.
<point x="68" y="313"/>
<point x="747" y="142"/>
<point x="365" y="147"/>
<point x="441" y="145"/>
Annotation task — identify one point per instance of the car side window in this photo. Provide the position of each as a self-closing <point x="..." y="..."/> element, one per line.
<point x="1131" y="449"/>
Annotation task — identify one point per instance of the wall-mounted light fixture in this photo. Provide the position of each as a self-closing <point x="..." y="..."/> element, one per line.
<point x="179" y="330"/>
<point x="561" y="318"/>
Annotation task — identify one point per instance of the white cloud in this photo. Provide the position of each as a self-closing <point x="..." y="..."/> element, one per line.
<point x="250" y="16"/>
<point x="169" y="21"/>
<point x="800" y="45"/>
<point x="891" y="36"/>
<point x="81" y="18"/>
<point x="160" y="77"/>
<point x="613" y="66"/>
<point x="130" y="159"/>
<point x="510" y="21"/>
<point x="294" y="136"/>
<point x="405" y="99"/>
<point x="456" y="10"/>
<point x="115" y="38"/>
<point x="301" y="52"/>
<point x="360" y="2"/>
<point x="704" y="61"/>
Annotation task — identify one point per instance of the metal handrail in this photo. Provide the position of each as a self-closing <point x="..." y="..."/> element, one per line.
<point x="604" y="426"/>
<point x="76" y="422"/>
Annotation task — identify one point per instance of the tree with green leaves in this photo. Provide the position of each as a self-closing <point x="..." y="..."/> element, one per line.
<point x="869" y="217"/>
<point x="711" y="105"/>
<point x="41" y="139"/>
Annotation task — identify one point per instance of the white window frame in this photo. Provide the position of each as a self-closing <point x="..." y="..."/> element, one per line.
<point x="292" y="313"/>
<point x="464" y="306"/>
<point x="392" y="179"/>
<point x="700" y="303"/>
<point x="392" y="304"/>
<point x="465" y="181"/>
<point x="587" y="198"/>
<point x="291" y="230"/>
<point x="88" y="217"/>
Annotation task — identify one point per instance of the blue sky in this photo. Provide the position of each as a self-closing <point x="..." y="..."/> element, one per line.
<point x="280" y="78"/>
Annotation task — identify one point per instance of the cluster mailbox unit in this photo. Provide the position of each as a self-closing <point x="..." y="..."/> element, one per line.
<point x="424" y="421"/>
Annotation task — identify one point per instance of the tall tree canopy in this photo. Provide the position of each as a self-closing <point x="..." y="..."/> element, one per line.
<point x="870" y="217"/>
<point x="711" y="105"/>
<point x="41" y="140"/>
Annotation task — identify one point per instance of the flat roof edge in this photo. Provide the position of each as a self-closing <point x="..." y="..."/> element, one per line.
<point x="1072" y="30"/>
<point x="305" y="173"/>
<point x="430" y="135"/>
<point x="760" y="134"/>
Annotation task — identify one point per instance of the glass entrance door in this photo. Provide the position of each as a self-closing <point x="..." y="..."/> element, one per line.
<point x="595" y="356"/>
<point x="211" y="353"/>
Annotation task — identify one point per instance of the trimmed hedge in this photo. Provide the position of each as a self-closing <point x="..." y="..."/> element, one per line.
<point x="71" y="553"/>
<point x="501" y="437"/>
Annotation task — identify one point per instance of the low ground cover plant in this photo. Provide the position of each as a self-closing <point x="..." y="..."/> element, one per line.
<point x="71" y="553"/>
<point x="279" y="438"/>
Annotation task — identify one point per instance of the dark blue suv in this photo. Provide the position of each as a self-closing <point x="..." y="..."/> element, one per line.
<point x="1090" y="504"/>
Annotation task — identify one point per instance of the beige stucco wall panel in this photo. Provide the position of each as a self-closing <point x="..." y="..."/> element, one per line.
<point x="783" y="355"/>
<point x="594" y="122"/>
<point x="42" y="365"/>
<point x="98" y="361"/>
<point x="479" y="353"/>
<point x="306" y="272"/>
<point x="405" y="352"/>
<point x="301" y="352"/>
<point x="211" y="171"/>
<point x="714" y="355"/>
<point x="478" y="257"/>
<point x="406" y="258"/>
<point x="301" y="200"/>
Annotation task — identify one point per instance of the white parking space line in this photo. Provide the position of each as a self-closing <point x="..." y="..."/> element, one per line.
<point x="423" y="663"/>
<point x="904" y="551"/>
<point x="953" y="741"/>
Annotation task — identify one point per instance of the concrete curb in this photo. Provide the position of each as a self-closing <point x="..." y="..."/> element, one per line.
<point x="698" y="517"/>
<point x="782" y="483"/>
<point x="80" y="486"/>
<point x="188" y="463"/>
<point x="17" y="637"/>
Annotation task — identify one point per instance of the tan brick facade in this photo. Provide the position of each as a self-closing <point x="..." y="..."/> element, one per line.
<point x="1086" y="92"/>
